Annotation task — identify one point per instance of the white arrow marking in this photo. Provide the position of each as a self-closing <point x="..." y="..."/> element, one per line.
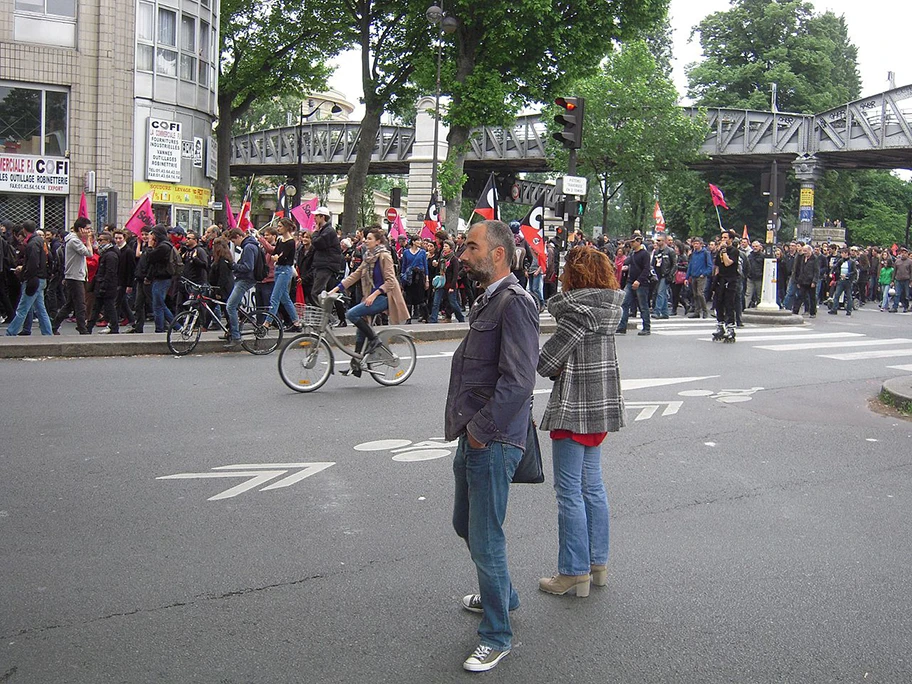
<point x="642" y="383"/>
<point x="257" y="477"/>
<point x="648" y="408"/>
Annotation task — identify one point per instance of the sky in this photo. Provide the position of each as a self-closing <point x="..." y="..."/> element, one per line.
<point x="879" y="28"/>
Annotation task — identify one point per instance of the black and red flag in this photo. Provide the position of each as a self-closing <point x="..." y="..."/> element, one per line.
<point x="487" y="203"/>
<point x="431" y="219"/>
<point x="281" y="210"/>
<point x="533" y="229"/>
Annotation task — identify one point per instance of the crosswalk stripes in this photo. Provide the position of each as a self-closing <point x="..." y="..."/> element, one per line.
<point x="846" y="346"/>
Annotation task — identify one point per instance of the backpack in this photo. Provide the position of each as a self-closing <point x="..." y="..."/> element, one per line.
<point x="175" y="263"/>
<point x="519" y="258"/>
<point x="260" y="269"/>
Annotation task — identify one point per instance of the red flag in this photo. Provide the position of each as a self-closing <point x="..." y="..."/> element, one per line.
<point x="243" y="220"/>
<point x="744" y="234"/>
<point x="659" y="218"/>
<point x="141" y="216"/>
<point x="303" y="213"/>
<point x="396" y="228"/>
<point x="533" y="229"/>
<point x="487" y="203"/>
<point x="718" y="198"/>
<point x="431" y="219"/>
<point x="83" y="207"/>
<point x="229" y="214"/>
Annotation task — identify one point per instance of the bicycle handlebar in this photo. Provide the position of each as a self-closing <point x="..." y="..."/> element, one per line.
<point x="196" y="287"/>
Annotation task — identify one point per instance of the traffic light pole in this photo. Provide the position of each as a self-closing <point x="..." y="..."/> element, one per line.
<point x="570" y="219"/>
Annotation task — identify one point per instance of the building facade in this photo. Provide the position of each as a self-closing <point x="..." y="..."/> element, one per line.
<point x="115" y="99"/>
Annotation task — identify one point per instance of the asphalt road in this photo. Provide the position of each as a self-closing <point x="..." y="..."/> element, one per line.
<point x="759" y="528"/>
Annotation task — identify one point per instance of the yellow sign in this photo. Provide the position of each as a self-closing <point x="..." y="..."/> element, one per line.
<point x="807" y="197"/>
<point x="171" y="193"/>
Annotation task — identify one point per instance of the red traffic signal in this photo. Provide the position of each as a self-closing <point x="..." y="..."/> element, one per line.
<point x="571" y="121"/>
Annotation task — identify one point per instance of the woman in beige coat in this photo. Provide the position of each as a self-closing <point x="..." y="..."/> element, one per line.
<point x="381" y="293"/>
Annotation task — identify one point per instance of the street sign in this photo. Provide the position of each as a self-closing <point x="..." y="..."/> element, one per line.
<point x="573" y="185"/>
<point x="391" y="214"/>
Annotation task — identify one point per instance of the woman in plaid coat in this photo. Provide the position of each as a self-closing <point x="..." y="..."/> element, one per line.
<point x="584" y="406"/>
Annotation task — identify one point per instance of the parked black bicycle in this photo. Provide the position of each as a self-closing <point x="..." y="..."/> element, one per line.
<point x="261" y="331"/>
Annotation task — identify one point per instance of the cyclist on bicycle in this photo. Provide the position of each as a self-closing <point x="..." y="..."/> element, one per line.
<point x="382" y="293"/>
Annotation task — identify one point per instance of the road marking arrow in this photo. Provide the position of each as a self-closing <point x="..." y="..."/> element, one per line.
<point x="649" y="408"/>
<point x="256" y="477"/>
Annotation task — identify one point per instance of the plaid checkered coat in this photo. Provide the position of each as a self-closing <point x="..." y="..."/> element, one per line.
<point x="586" y="396"/>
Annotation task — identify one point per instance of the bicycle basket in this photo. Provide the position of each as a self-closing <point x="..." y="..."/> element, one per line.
<point x="313" y="316"/>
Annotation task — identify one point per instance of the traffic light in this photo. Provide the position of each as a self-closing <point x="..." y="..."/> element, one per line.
<point x="571" y="119"/>
<point x="580" y="207"/>
<point x="561" y="236"/>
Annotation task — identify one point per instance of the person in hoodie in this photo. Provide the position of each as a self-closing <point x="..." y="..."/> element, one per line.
<point x="106" y="283"/>
<point x="585" y="405"/>
<point x="78" y="245"/>
<point x="158" y="277"/>
<point x="243" y="281"/>
<point x="33" y="276"/>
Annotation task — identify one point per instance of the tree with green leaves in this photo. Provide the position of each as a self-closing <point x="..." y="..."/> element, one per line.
<point x="634" y="134"/>
<point x="393" y="37"/>
<point x="760" y="42"/>
<point x="509" y="54"/>
<point x="270" y="50"/>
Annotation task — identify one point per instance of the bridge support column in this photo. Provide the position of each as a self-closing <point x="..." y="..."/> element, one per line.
<point x="421" y="163"/>
<point x="808" y="170"/>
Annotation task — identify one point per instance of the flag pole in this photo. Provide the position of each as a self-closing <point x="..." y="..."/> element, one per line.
<point x="719" y="216"/>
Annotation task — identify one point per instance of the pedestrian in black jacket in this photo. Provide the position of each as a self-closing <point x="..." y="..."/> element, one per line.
<point x="106" y="283"/>
<point x="33" y="276"/>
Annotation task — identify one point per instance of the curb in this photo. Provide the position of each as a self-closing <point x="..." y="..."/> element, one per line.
<point x="89" y="346"/>
<point x="898" y="389"/>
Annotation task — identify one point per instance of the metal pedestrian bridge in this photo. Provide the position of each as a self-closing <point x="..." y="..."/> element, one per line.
<point x="873" y="132"/>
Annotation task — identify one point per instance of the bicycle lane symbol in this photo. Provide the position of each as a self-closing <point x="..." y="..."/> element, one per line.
<point x="405" y="451"/>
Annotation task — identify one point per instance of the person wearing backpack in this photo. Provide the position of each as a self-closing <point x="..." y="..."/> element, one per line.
<point x="244" y="280"/>
<point x="522" y="255"/>
<point x="159" y="273"/>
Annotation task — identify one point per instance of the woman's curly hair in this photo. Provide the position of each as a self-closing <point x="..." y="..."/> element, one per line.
<point x="586" y="267"/>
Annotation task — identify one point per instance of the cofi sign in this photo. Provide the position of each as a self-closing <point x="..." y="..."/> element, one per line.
<point x="163" y="154"/>
<point x="42" y="175"/>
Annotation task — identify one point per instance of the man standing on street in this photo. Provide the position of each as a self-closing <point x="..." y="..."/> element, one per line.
<point x="243" y="281"/>
<point x="487" y="410"/>
<point x="77" y="246"/>
<point x="33" y="276"/>
<point x="754" y="275"/>
<point x="901" y="276"/>
<point x="699" y="268"/>
<point x="664" y="263"/>
<point x="638" y="270"/>
<point x="728" y="284"/>
<point x="328" y="264"/>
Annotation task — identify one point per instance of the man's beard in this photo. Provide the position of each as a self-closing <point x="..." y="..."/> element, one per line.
<point x="483" y="272"/>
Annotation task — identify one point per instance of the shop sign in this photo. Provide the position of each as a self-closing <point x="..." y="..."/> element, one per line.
<point x="167" y="193"/>
<point x="211" y="157"/>
<point x="198" y="153"/>
<point x="36" y="175"/>
<point x="163" y="155"/>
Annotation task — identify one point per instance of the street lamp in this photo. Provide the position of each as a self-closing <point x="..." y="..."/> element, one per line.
<point x="299" y="180"/>
<point x="445" y="25"/>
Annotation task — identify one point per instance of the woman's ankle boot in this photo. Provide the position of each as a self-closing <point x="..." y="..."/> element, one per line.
<point x="599" y="575"/>
<point x="561" y="584"/>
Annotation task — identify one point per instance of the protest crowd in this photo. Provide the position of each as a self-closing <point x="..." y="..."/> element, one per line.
<point x="112" y="280"/>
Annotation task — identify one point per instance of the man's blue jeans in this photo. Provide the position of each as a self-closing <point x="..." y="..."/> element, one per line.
<point x="842" y="287"/>
<point x="482" y="485"/>
<point x="26" y="302"/>
<point x="234" y="301"/>
<point x="536" y="287"/>
<point x="280" y="293"/>
<point x="789" y="295"/>
<point x="381" y="304"/>
<point x="160" y="311"/>
<point x="642" y="297"/>
<point x="582" y="507"/>
<point x="902" y="294"/>
<point x="454" y="304"/>
<point x="661" y="307"/>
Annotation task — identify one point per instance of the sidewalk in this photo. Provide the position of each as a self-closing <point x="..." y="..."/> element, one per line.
<point x="73" y="345"/>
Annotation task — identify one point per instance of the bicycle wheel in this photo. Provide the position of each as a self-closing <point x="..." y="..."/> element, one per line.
<point x="305" y="363"/>
<point x="261" y="338"/>
<point x="394" y="361"/>
<point x="184" y="332"/>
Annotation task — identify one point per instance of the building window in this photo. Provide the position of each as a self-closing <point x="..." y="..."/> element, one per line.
<point x="204" y="44"/>
<point x="145" y="22"/>
<point x="166" y="62"/>
<point x="188" y="48"/>
<point x="33" y="120"/>
<point x="53" y="8"/>
<point x="167" y="27"/>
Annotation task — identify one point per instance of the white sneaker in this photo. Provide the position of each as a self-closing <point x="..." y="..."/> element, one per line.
<point x="483" y="658"/>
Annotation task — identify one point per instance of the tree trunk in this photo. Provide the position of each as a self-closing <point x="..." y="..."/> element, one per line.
<point x="457" y="138"/>
<point x="357" y="174"/>
<point x="603" y="187"/>
<point x="223" y="136"/>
